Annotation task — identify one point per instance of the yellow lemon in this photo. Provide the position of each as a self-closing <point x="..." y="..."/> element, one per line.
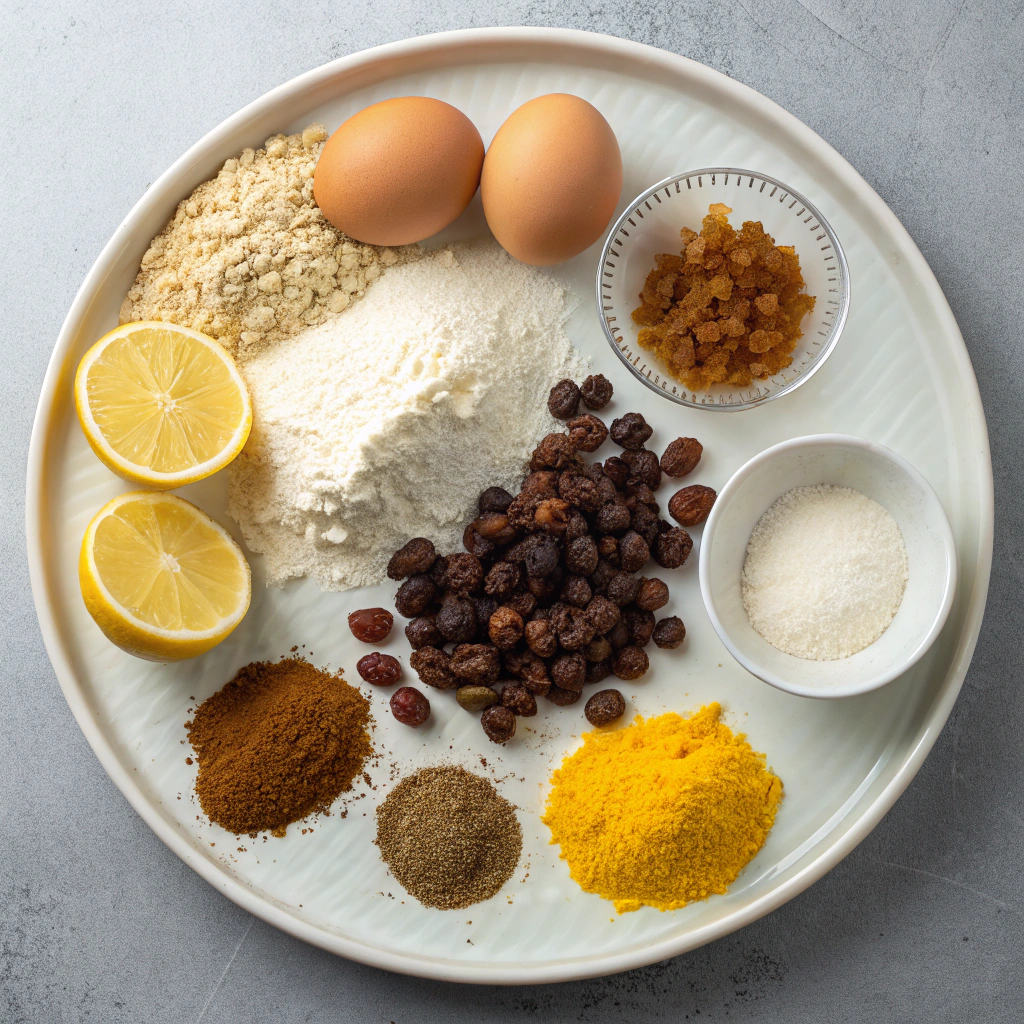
<point x="162" y="405"/>
<point x="161" y="578"/>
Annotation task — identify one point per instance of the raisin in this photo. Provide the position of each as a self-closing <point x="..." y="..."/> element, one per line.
<point x="602" y="576"/>
<point x="476" y="664"/>
<point x="643" y="466"/>
<point x="623" y="588"/>
<point x="568" y="671"/>
<point x="522" y="511"/>
<point x="581" y="556"/>
<point x="541" y="557"/>
<point x="484" y="607"/>
<point x="652" y="595"/>
<point x="580" y="491"/>
<point x="379" y="669"/>
<point x="630" y="663"/>
<point x="433" y="666"/>
<point x="502" y="578"/>
<point x="415" y="595"/>
<point x="563" y="698"/>
<point x="587" y="432"/>
<point x="619" y="635"/>
<point x="612" y="518"/>
<point x="495" y="527"/>
<point x="576" y="590"/>
<point x="540" y="637"/>
<point x="645" y="522"/>
<point x="576" y="528"/>
<point x="640" y="624"/>
<point x="556" y="451"/>
<point x="597" y="670"/>
<point x="499" y="724"/>
<point x="672" y="547"/>
<point x="553" y="515"/>
<point x="476" y="698"/>
<point x="603" y="614"/>
<point x="457" y="619"/>
<point x="575" y="631"/>
<point x="518" y="699"/>
<point x="522" y="601"/>
<point x="505" y="628"/>
<point x="438" y="571"/>
<point x="605" y="707"/>
<point x="633" y="552"/>
<point x="415" y="557"/>
<point x="681" y="456"/>
<point x="371" y="625"/>
<point x="669" y="633"/>
<point x="692" y="505"/>
<point x="494" y="499"/>
<point x="564" y="400"/>
<point x="608" y="550"/>
<point x="543" y="483"/>
<point x="596" y="391"/>
<point x="616" y="470"/>
<point x="631" y="431"/>
<point x="545" y="589"/>
<point x="638" y="493"/>
<point x="479" y="547"/>
<point x="465" y="573"/>
<point x="423" y="632"/>
<point x="597" y="650"/>
<point x="526" y="666"/>
<point x="409" y="706"/>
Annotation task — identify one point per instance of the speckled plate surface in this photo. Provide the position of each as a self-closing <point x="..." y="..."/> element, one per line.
<point x="900" y="375"/>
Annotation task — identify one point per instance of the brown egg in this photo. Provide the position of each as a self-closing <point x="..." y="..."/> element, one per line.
<point x="551" y="179"/>
<point x="399" y="171"/>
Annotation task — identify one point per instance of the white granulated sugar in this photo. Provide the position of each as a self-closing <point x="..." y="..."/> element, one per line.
<point x="387" y="422"/>
<point x="825" y="572"/>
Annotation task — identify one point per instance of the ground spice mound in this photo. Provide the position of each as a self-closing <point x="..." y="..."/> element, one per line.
<point x="727" y="309"/>
<point x="662" y="813"/>
<point x="249" y="259"/>
<point x="278" y="742"/>
<point x="448" y="837"/>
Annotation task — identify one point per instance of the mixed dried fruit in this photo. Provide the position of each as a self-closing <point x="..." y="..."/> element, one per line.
<point x="727" y="309"/>
<point x="548" y="597"/>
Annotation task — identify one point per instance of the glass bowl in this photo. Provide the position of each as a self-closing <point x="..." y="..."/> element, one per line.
<point x="651" y="225"/>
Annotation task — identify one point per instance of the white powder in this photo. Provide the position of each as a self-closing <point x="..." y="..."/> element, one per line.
<point x="825" y="572"/>
<point x="387" y="422"/>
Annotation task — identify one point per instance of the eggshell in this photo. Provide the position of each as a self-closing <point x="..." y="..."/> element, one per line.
<point x="552" y="178"/>
<point x="399" y="171"/>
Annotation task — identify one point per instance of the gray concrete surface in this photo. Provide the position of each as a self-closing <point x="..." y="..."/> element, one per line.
<point x="99" y="922"/>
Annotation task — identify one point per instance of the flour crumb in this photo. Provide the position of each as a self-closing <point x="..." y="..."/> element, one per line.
<point x="386" y="422"/>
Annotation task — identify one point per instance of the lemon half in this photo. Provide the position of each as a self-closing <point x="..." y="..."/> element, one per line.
<point x="162" y="405"/>
<point x="161" y="578"/>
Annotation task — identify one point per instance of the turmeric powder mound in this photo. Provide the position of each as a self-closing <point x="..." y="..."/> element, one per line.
<point x="662" y="813"/>
<point x="727" y="309"/>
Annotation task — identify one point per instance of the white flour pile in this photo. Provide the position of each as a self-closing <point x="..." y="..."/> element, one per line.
<point x="387" y="422"/>
<point x="825" y="572"/>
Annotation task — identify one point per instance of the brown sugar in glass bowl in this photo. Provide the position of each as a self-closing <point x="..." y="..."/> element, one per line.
<point x="652" y="224"/>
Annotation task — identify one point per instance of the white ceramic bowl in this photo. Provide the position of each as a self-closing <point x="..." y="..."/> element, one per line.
<point x="651" y="225"/>
<point x="884" y="477"/>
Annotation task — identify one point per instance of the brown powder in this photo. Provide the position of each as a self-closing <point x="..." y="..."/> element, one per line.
<point x="448" y="837"/>
<point x="278" y="742"/>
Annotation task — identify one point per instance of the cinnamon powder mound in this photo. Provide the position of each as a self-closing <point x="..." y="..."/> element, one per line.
<point x="277" y="743"/>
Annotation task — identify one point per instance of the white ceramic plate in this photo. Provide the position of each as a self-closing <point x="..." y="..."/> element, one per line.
<point x="901" y="376"/>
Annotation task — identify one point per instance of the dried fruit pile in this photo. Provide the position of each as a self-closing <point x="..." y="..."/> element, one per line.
<point x="548" y="596"/>
<point x="728" y="308"/>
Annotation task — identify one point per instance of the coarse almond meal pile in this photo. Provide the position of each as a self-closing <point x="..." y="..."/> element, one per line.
<point x="249" y="259"/>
